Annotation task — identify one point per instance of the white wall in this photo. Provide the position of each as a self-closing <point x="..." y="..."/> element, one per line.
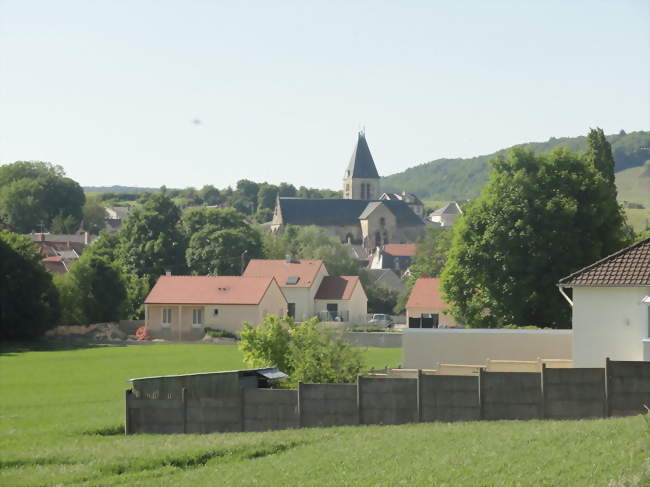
<point x="429" y="347"/>
<point x="608" y="322"/>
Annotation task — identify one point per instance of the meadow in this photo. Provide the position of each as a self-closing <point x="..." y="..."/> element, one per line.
<point x="61" y="423"/>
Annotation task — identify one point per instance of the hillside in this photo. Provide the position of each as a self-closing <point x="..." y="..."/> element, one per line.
<point x="450" y="179"/>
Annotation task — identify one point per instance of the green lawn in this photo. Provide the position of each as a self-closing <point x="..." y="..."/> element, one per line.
<point x="62" y="414"/>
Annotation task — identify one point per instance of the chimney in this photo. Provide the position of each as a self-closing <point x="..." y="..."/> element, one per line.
<point x="85" y="238"/>
<point x="168" y="273"/>
<point x="42" y="237"/>
<point x="288" y="259"/>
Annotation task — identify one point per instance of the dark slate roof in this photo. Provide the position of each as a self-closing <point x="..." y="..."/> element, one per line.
<point x="337" y="212"/>
<point x="402" y="212"/>
<point x="361" y="164"/>
<point x="449" y="209"/>
<point x="627" y="267"/>
<point x="324" y="212"/>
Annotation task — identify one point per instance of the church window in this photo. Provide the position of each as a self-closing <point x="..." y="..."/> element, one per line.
<point x="377" y="239"/>
<point x="382" y="221"/>
<point x="385" y="235"/>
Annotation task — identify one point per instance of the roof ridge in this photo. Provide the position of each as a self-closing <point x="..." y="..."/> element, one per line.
<point x="603" y="260"/>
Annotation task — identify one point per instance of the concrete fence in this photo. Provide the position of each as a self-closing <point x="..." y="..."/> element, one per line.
<point x="232" y="401"/>
<point x="374" y="339"/>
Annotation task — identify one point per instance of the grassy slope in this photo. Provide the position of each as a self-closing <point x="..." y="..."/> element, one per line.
<point x="56" y="402"/>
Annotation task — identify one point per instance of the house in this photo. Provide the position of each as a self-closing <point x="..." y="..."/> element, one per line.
<point x="397" y="257"/>
<point x="359" y="217"/>
<point x="341" y="298"/>
<point x="115" y="216"/>
<point x="410" y="199"/>
<point x="426" y="307"/>
<point x="310" y="290"/>
<point x="611" y="307"/>
<point x="447" y="215"/>
<point x="385" y="278"/>
<point x="180" y="307"/>
<point x="60" y="252"/>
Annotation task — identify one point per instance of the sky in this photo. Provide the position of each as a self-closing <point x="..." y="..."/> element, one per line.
<point x="188" y="93"/>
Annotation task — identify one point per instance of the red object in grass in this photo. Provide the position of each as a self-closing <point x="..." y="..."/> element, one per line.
<point x="142" y="333"/>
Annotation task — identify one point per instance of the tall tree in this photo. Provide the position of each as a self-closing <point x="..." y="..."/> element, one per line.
<point x="539" y="218"/>
<point x="217" y="252"/>
<point x="151" y="240"/>
<point x="29" y="302"/>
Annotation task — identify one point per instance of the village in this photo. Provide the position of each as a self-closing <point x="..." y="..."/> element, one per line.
<point x="321" y="244"/>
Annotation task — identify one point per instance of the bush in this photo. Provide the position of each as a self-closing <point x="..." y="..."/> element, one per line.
<point x="306" y="352"/>
<point x="216" y="333"/>
<point x="369" y="329"/>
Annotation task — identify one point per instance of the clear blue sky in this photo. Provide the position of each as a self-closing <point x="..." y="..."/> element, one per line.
<point x="109" y="89"/>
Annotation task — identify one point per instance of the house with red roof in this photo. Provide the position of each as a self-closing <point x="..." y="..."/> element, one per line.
<point x="397" y="257"/>
<point x="426" y="307"/>
<point x="180" y="307"/>
<point x="310" y="290"/>
<point x="610" y="302"/>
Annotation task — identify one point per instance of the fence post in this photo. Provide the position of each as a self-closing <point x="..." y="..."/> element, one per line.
<point x="128" y="428"/>
<point x="542" y="398"/>
<point x="184" y="399"/>
<point x="608" y="387"/>
<point x="359" y="416"/>
<point x="481" y="371"/>
<point x="299" y="404"/>
<point x="419" y="395"/>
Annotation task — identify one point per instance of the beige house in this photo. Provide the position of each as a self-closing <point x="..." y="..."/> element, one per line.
<point x="180" y="307"/>
<point x="342" y="298"/>
<point x="310" y="290"/>
<point x="447" y="215"/>
<point x="426" y="307"/>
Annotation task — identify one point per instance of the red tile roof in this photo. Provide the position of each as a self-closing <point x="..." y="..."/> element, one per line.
<point x="305" y="270"/>
<point x="627" y="267"/>
<point x="337" y="287"/>
<point x="426" y="293"/>
<point x="208" y="290"/>
<point x="400" y="250"/>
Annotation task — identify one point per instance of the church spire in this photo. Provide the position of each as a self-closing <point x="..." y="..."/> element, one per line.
<point x="361" y="180"/>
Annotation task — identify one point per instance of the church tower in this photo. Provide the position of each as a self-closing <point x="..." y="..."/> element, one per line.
<point x="361" y="180"/>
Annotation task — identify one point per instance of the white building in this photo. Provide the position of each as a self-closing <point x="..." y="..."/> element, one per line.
<point x="447" y="215"/>
<point x="611" y="307"/>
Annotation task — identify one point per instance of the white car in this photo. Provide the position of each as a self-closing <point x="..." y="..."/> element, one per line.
<point x="381" y="320"/>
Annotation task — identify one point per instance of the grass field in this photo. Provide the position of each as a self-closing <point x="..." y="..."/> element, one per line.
<point x="62" y="418"/>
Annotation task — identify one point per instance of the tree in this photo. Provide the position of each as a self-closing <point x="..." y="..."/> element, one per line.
<point x="34" y="193"/>
<point x="266" y="196"/>
<point x="196" y="219"/>
<point x="29" y="302"/>
<point x="94" y="214"/>
<point x="307" y="352"/>
<point x="210" y="195"/>
<point x="94" y="291"/>
<point x="64" y="224"/>
<point x="212" y="251"/>
<point x="431" y="253"/>
<point x="539" y="218"/>
<point x="151" y="240"/>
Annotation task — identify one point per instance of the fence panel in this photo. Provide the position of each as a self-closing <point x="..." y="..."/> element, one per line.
<point x="387" y="401"/>
<point x="449" y="398"/>
<point x="328" y="404"/>
<point x="270" y="409"/>
<point x="510" y="395"/>
<point x="574" y="393"/>
<point x="628" y="387"/>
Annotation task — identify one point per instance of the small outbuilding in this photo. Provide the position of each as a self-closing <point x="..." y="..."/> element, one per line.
<point x="426" y="308"/>
<point x="341" y="298"/>
<point x="611" y="307"/>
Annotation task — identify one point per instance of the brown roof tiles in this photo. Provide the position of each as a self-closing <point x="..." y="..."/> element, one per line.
<point x="337" y="287"/>
<point x="208" y="290"/>
<point x="426" y="294"/>
<point x="400" y="250"/>
<point x="304" y="270"/>
<point x="627" y="267"/>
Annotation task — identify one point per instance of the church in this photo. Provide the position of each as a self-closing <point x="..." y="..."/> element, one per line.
<point x="361" y="217"/>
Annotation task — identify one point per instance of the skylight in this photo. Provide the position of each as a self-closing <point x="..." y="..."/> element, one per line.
<point x="293" y="279"/>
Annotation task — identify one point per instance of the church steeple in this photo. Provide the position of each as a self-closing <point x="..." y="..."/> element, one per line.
<point x="361" y="180"/>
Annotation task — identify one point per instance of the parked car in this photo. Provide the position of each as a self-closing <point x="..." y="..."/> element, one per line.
<point x="381" y="320"/>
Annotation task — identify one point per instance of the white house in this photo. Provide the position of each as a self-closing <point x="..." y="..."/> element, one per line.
<point x="447" y="215"/>
<point x="611" y="307"/>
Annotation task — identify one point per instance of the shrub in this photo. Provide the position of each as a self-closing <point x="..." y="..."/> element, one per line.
<point x="217" y="333"/>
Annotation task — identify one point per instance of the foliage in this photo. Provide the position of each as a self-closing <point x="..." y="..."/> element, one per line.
<point x="312" y="242"/>
<point x="93" y="291"/>
<point x="381" y="299"/>
<point x="217" y="333"/>
<point x="151" y="240"/>
<point x="642" y="235"/>
<point x="431" y="254"/>
<point x="29" y="302"/>
<point x="35" y="193"/>
<point x="268" y="344"/>
<point x="94" y="214"/>
<point x="370" y="329"/>
<point x="321" y="356"/>
<point x="540" y="218"/>
<point x="212" y="251"/>
<point x="307" y="352"/>
<point x="196" y="219"/>
<point x="453" y="179"/>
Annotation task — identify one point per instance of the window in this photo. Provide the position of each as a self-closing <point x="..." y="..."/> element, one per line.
<point x="291" y="310"/>
<point x="382" y="221"/>
<point x="332" y="310"/>
<point x="215" y="312"/>
<point x="197" y="318"/>
<point x="166" y="317"/>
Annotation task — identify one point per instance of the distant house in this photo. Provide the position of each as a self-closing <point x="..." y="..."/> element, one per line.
<point x="180" y="307"/>
<point x="397" y="257"/>
<point x="447" y="215"/>
<point x="385" y="278"/>
<point x="115" y="216"/>
<point x="310" y="290"/>
<point x="426" y="308"/>
<point x="410" y="199"/>
<point x="611" y="307"/>
<point x="59" y="251"/>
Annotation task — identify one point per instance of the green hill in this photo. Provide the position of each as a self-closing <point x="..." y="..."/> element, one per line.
<point x="454" y="179"/>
